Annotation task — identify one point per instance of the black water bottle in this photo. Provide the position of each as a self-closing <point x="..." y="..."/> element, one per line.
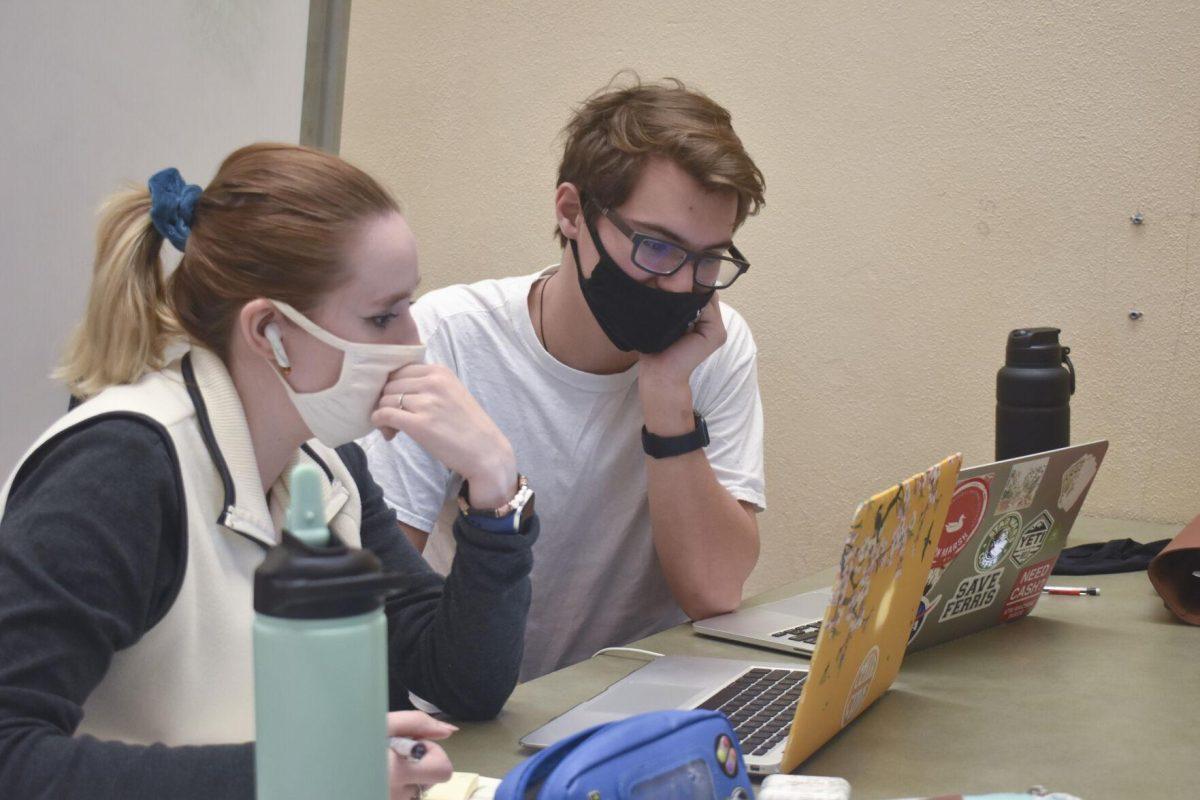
<point x="1033" y="394"/>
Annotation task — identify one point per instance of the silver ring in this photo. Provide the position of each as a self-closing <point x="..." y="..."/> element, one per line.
<point x="400" y="401"/>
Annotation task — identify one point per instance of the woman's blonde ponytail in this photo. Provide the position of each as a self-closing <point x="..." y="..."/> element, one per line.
<point x="128" y="321"/>
<point x="276" y="221"/>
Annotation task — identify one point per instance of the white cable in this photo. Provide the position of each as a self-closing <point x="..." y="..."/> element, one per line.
<point x="627" y="650"/>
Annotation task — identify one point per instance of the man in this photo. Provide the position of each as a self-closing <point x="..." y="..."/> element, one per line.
<point x="642" y="526"/>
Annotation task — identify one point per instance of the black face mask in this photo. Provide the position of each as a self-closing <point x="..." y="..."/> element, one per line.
<point x="635" y="316"/>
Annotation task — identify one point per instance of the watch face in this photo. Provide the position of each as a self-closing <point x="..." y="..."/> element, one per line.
<point x="524" y="498"/>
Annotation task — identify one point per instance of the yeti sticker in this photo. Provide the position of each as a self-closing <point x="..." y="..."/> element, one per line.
<point x="1032" y="537"/>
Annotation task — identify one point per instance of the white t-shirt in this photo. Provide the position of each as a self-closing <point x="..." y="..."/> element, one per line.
<point x="577" y="437"/>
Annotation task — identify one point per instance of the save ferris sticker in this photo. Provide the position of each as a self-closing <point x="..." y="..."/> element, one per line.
<point x="962" y="520"/>
<point x="973" y="593"/>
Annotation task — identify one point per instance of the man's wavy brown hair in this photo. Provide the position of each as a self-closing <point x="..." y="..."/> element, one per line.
<point x="615" y="131"/>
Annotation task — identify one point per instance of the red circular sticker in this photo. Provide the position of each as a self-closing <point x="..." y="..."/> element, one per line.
<point x="966" y="512"/>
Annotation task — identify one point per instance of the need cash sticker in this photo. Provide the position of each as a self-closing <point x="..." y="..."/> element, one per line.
<point x="1027" y="590"/>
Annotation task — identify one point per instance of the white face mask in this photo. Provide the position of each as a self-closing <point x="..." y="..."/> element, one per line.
<point x="342" y="413"/>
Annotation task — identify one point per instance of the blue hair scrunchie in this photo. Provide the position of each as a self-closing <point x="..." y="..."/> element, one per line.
<point x="173" y="205"/>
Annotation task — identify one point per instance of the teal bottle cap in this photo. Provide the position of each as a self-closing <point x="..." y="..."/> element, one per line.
<point x="306" y="514"/>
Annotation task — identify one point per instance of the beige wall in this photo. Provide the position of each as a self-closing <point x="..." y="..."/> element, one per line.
<point x="937" y="173"/>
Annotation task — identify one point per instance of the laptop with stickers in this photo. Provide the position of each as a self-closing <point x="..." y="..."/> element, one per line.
<point x="783" y="712"/>
<point x="1008" y="522"/>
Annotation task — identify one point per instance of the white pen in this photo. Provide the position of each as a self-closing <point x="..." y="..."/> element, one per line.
<point x="408" y="748"/>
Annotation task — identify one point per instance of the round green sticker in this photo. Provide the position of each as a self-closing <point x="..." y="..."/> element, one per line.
<point x="998" y="542"/>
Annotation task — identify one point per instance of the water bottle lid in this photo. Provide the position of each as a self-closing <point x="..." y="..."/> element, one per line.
<point x="298" y="580"/>
<point x="1034" y="347"/>
<point x="306" y="512"/>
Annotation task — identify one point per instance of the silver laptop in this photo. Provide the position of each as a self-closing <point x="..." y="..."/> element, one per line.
<point x="1008" y="522"/>
<point x="781" y="718"/>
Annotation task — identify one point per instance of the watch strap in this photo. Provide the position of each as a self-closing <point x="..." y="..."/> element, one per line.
<point x="508" y="518"/>
<point x="670" y="446"/>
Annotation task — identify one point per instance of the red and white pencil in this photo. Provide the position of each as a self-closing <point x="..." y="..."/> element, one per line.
<point x="1074" y="591"/>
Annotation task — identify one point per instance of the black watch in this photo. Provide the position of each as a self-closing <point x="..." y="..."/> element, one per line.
<point x="668" y="446"/>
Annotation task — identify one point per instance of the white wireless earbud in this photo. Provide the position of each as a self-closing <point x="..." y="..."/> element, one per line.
<point x="281" y="358"/>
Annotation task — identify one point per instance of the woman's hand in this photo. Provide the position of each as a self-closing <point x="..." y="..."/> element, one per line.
<point x="428" y="403"/>
<point x="407" y="778"/>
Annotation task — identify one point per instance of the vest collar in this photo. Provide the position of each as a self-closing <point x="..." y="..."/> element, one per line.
<point x="223" y="427"/>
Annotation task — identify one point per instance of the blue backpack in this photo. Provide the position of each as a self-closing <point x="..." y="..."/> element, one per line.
<point x="664" y="755"/>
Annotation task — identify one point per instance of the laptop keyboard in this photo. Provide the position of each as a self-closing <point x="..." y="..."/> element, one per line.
<point x="760" y="705"/>
<point x="806" y="633"/>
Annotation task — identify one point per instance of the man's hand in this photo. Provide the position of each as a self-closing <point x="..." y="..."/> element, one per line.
<point x="707" y="542"/>
<point x="663" y="377"/>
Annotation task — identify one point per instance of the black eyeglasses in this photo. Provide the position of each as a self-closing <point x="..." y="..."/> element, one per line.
<point x="660" y="257"/>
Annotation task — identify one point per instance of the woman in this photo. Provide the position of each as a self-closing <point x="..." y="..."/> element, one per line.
<point x="131" y="530"/>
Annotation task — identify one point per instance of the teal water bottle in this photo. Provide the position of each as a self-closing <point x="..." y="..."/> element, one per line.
<point x="320" y="660"/>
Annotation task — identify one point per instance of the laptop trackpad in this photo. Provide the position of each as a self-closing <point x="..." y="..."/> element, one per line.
<point x="665" y="683"/>
<point x="637" y="696"/>
<point x="624" y="699"/>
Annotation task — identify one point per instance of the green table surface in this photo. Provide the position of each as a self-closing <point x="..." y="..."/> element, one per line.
<point x="1094" y="696"/>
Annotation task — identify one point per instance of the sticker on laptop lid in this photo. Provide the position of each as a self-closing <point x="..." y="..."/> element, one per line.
<point x="1075" y="481"/>
<point x="932" y="580"/>
<point x="973" y="593"/>
<point x="892" y="524"/>
<point x="857" y="695"/>
<point x="1033" y="537"/>
<point x="1026" y="590"/>
<point x="967" y="508"/>
<point x="925" y="610"/>
<point x="998" y="542"/>
<point x="926" y="606"/>
<point x="1022" y="486"/>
